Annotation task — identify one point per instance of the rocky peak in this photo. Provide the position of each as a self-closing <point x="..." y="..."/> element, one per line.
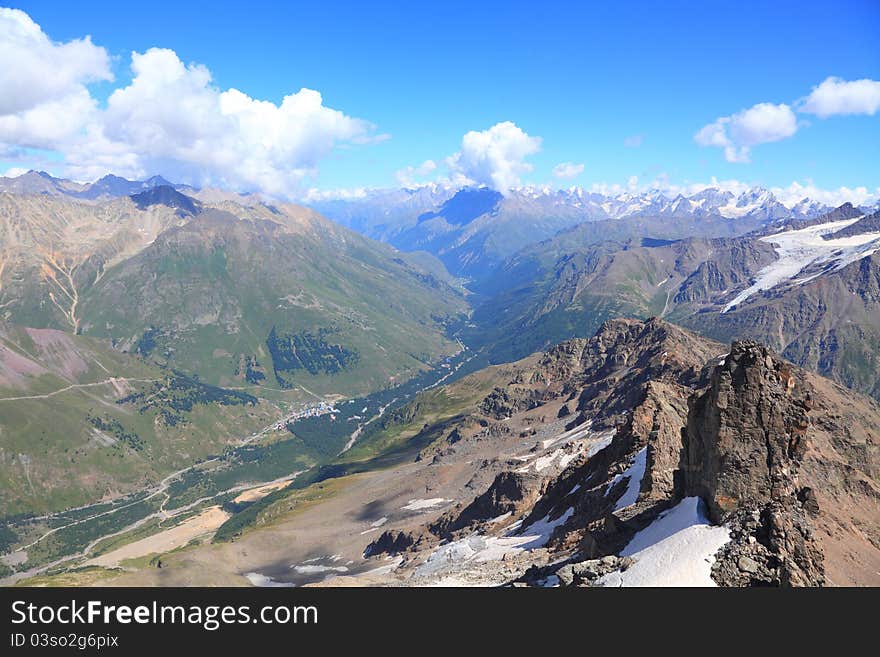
<point x="624" y="355"/>
<point x="744" y="433"/>
<point x="168" y="196"/>
<point x="745" y="439"/>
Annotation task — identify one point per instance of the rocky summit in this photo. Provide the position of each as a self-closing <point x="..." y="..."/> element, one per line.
<point x="744" y="443"/>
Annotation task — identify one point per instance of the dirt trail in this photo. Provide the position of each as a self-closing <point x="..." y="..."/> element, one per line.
<point x="113" y="380"/>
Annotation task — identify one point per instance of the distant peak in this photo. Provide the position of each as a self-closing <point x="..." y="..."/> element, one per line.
<point x="156" y="181"/>
<point x="168" y="196"/>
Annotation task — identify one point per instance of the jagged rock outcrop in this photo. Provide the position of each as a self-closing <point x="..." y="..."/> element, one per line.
<point x="510" y="492"/>
<point x="634" y="353"/>
<point x="584" y="573"/>
<point x="635" y="377"/>
<point x="392" y="542"/>
<point x="745" y="439"/>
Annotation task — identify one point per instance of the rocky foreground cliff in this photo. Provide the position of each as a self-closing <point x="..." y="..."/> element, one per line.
<point x="659" y="458"/>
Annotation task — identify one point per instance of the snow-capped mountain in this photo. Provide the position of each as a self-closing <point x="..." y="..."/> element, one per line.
<point x="472" y="229"/>
<point x="394" y="208"/>
<point x="757" y="202"/>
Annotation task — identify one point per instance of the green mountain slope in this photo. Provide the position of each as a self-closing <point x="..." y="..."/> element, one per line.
<point x="80" y="421"/>
<point x="279" y="300"/>
<point x="557" y="290"/>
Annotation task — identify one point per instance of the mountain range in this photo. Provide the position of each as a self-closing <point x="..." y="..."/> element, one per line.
<point x="473" y="230"/>
<point x="560" y="378"/>
<point x="797" y="287"/>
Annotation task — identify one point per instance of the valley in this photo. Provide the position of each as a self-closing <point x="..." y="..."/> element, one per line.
<point x="260" y="464"/>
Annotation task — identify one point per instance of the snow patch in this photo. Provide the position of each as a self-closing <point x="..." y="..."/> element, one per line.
<point x="677" y="549"/>
<point x="601" y="442"/>
<point x="258" y="579"/>
<point x="799" y="249"/>
<point x="480" y="549"/>
<point x="418" y="505"/>
<point x="387" y="568"/>
<point x="633" y="474"/>
<point x="312" y="569"/>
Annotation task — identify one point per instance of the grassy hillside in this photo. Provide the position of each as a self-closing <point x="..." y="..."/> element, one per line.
<point x="80" y="421"/>
<point x="276" y="304"/>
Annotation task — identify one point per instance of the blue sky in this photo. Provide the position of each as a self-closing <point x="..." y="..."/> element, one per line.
<point x="584" y="77"/>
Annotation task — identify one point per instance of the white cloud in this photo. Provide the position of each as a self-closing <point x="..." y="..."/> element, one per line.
<point x="733" y="186"/>
<point x="634" y="141"/>
<point x="14" y="172"/>
<point x="737" y="134"/>
<point x="834" y="197"/>
<point x="835" y="96"/>
<point x="49" y="124"/>
<point x="494" y="157"/>
<point x="608" y="189"/>
<point x="37" y="70"/>
<point x="314" y="194"/>
<point x="407" y="176"/>
<point x="568" y="170"/>
<point x="171" y="119"/>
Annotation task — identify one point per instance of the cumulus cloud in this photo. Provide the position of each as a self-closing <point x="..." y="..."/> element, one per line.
<point x="49" y="124"/>
<point x="171" y="119"/>
<point x="567" y="170"/>
<point x="408" y="175"/>
<point x="634" y="141"/>
<point x="495" y="157"/>
<point x="737" y="134"/>
<point x="835" y="96"/>
<point x="37" y="70"/>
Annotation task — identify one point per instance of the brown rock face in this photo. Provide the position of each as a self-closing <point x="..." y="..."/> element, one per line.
<point x="510" y="492"/>
<point x="392" y="542"/>
<point x="743" y="446"/>
<point x="663" y="412"/>
<point x="743" y="432"/>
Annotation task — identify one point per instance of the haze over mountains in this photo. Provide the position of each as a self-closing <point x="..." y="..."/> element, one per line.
<point x="472" y="230"/>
